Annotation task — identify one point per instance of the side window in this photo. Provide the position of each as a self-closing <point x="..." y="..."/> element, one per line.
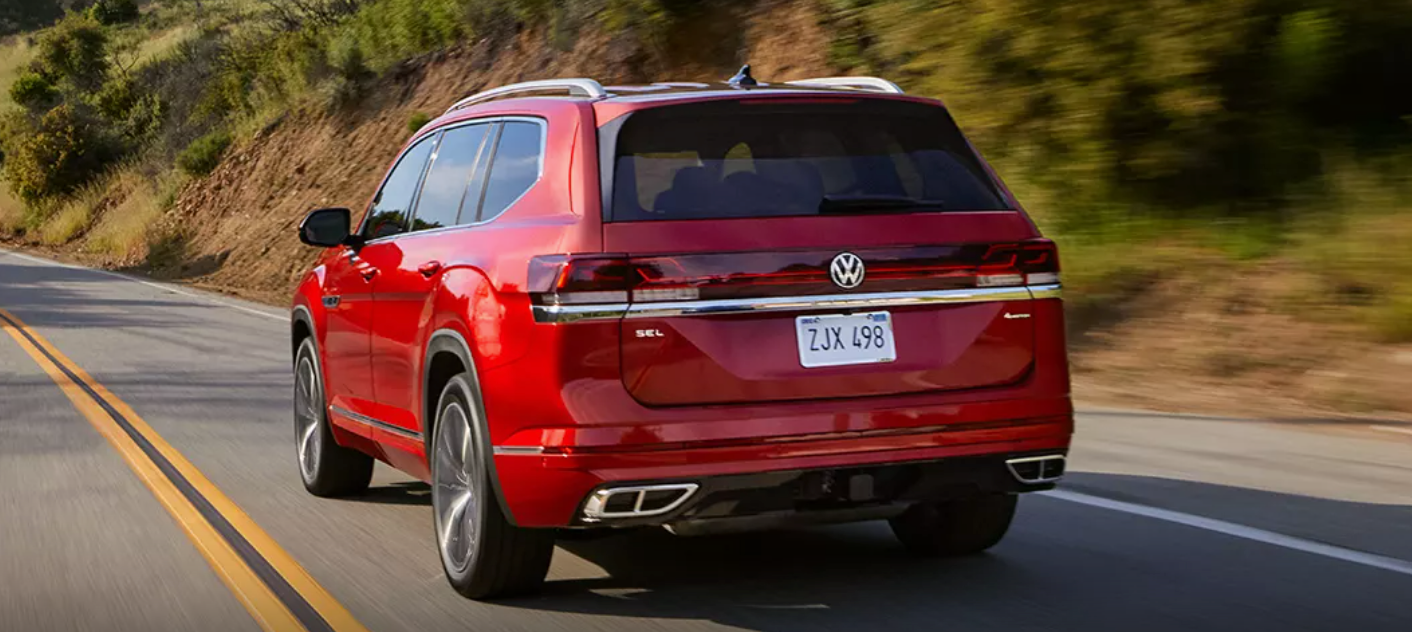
<point x="393" y="205"/>
<point x="515" y="167"/>
<point x="444" y="191"/>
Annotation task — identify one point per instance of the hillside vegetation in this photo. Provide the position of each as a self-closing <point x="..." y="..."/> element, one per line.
<point x="1228" y="179"/>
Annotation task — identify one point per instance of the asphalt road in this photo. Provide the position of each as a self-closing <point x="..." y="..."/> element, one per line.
<point x="1218" y="525"/>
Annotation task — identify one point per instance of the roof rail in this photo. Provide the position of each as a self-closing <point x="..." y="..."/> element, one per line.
<point x="575" y="87"/>
<point x="858" y="83"/>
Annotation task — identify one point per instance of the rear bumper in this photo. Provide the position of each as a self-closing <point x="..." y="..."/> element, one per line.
<point x="742" y="502"/>
<point x="903" y="465"/>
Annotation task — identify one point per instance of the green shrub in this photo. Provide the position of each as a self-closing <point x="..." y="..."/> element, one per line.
<point x="350" y="63"/>
<point x="417" y="121"/>
<point x="55" y="155"/>
<point x="76" y="50"/>
<point x="128" y="110"/>
<point x="116" y="98"/>
<point x="345" y="87"/>
<point x="202" y="155"/>
<point x="113" y="11"/>
<point x="32" y="90"/>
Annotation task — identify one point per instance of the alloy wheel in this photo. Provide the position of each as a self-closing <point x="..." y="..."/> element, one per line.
<point x="308" y="402"/>
<point x="456" y="479"/>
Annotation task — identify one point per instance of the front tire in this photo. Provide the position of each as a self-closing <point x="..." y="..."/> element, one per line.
<point x="327" y="469"/>
<point x="484" y="556"/>
<point x="956" y="527"/>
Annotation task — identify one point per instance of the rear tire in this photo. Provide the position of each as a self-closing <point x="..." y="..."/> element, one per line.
<point x="483" y="555"/>
<point x="956" y="527"/>
<point x="327" y="469"/>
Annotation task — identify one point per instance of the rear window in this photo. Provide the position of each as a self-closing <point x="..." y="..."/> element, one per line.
<point x="776" y="158"/>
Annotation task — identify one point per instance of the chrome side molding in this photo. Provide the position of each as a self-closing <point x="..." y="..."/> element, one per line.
<point x="376" y="423"/>
<point x="616" y="311"/>
<point x="517" y="450"/>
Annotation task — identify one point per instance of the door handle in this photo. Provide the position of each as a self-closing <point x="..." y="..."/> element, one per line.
<point x="368" y="273"/>
<point x="429" y="268"/>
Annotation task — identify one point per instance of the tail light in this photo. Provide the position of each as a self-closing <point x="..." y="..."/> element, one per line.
<point x="569" y="280"/>
<point x="1033" y="262"/>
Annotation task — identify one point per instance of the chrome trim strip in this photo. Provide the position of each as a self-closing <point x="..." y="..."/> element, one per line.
<point x="376" y="423"/>
<point x="518" y="450"/>
<point x="830" y="301"/>
<point x="1046" y="291"/>
<point x="573" y="313"/>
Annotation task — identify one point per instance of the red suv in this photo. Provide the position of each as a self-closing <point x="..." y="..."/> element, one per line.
<point x="706" y="307"/>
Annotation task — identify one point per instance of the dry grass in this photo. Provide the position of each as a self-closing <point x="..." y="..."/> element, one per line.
<point x="15" y="56"/>
<point x="12" y="211"/>
<point x="1357" y="251"/>
<point x="156" y="45"/>
<point x="123" y="232"/>
<point x="73" y="216"/>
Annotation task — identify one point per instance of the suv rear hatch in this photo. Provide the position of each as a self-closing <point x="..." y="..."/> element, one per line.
<point x="789" y="248"/>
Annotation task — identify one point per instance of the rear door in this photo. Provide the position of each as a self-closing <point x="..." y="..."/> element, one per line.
<point x="785" y="250"/>
<point x="410" y="267"/>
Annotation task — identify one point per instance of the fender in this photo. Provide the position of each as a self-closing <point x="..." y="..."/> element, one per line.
<point x="452" y="341"/>
<point x="300" y="314"/>
<point x="467" y="301"/>
<point x="308" y="309"/>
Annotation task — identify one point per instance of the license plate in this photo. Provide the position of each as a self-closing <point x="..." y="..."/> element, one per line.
<point x="842" y="339"/>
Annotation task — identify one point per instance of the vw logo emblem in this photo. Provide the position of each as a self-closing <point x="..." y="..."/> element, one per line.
<point x="846" y="270"/>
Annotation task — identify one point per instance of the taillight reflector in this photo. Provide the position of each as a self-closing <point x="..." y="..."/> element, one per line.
<point x="1033" y="262"/>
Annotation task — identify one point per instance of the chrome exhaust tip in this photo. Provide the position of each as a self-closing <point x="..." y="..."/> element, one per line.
<point x="616" y="503"/>
<point x="1037" y="469"/>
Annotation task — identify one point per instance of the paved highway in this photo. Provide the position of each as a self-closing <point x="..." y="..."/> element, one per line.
<point x="1167" y="523"/>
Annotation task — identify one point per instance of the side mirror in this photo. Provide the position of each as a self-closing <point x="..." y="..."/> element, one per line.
<point x="325" y="227"/>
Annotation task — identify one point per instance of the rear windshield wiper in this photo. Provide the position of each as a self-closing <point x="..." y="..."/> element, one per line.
<point x="883" y="203"/>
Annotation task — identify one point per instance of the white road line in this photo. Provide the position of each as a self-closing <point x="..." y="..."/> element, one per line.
<point x="1406" y="431"/>
<point x="1240" y="531"/>
<point x="160" y="286"/>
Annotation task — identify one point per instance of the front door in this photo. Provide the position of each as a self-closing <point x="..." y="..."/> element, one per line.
<point x="350" y="281"/>
<point x="348" y="305"/>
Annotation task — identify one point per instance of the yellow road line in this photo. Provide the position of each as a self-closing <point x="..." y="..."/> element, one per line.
<point x="277" y="591"/>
